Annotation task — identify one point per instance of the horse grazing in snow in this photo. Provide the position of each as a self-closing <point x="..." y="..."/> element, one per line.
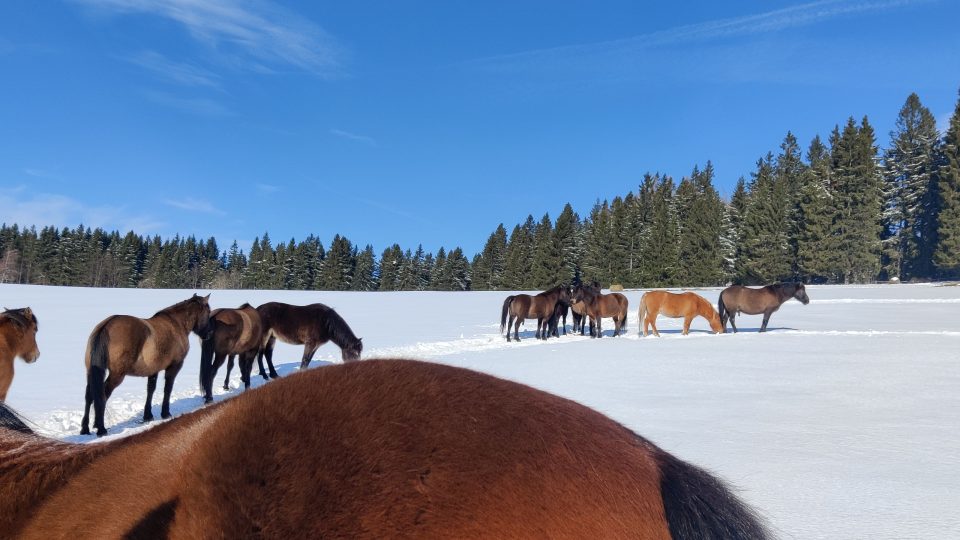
<point x="375" y="449"/>
<point x="687" y="305"/>
<point x="739" y="299"/>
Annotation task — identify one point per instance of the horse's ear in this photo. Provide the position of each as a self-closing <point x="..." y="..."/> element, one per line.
<point x="207" y="297"/>
<point x="27" y="312"/>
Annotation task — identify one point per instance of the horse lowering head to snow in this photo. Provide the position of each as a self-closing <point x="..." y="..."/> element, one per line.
<point x="375" y="449"/>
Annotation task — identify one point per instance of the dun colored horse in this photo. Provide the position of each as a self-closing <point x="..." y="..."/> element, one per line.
<point x="540" y="307"/>
<point x="580" y="313"/>
<point x="18" y="337"/>
<point x="310" y="326"/>
<point x="232" y="332"/>
<point x="597" y="306"/>
<point x="687" y="305"/>
<point x="376" y="449"/>
<point x="739" y="299"/>
<point x="126" y="345"/>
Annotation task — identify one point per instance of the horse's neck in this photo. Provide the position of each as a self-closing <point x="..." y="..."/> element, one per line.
<point x="31" y="468"/>
<point x="179" y="317"/>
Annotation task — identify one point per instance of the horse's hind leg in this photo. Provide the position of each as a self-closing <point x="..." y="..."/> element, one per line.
<point x="653" y="324"/>
<point x="268" y="354"/>
<point x="732" y="323"/>
<point x="509" y="324"/>
<point x="246" y="367"/>
<point x="85" y="423"/>
<point x="168" y="377"/>
<point x="226" y="380"/>
<point x="100" y="402"/>
<point x="148" y="407"/>
<point x="516" y="328"/>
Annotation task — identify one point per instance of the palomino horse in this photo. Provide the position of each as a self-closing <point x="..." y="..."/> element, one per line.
<point x="541" y="306"/>
<point x="310" y="326"/>
<point x="598" y="305"/>
<point x="126" y="345"/>
<point x="738" y="299"/>
<point x="232" y="332"/>
<point x="375" y="449"/>
<point x="687" y="305"/>
<point x="18" y="337"/>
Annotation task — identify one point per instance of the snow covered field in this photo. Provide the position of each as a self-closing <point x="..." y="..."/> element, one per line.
<point x="842" y="422"/>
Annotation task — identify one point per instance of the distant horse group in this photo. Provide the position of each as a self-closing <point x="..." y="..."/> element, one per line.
<point x="588" y="304"/>
<point x="122" y="345"/>
<point x="375" y="449"/>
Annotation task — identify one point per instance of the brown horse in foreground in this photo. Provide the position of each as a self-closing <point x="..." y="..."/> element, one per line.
<point x="231" y="332"/>
<point x="310" y="326"/>
<point x="541" y="307"/>
<point x="687" y="305"/>
<point x="375" y="449"/>
<point x="18" y="337"/>
<point x="126" y="345"/>
<point x="739" y="299"/>
<point x="598" y="305"/>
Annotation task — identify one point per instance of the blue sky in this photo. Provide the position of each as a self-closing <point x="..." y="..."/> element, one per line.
<point x="426" y="122"/>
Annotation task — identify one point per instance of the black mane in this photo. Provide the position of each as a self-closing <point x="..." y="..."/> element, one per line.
<point x="11" y="420"/>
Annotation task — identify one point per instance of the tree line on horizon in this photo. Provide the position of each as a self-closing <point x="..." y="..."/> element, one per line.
<point x="844" y="212"/>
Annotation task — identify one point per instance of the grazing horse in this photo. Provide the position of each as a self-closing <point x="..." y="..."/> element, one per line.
<point x="232" y="332"/>
<point x="541" y="307"/>
<point x="738" y="299"/>
<point x="126" y="345"/>
<point x="375" y="449"/>
<point x="598" y="305"/>
<point x="18" y="337"/>
<point x="687" y="305"/>
<point x="310" y="326"/>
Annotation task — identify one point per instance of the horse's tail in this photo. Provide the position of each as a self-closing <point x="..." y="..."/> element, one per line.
<point x="643" y="311"/>
<point x="722" y="311"/>
<point x="698" y="505"/>
<point x="99" y="362"/>
<point x="206" y="356"/>
<point x="503" y="314"/>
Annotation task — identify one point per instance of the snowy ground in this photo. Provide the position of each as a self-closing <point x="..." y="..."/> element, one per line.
<point x="842" y="422"/>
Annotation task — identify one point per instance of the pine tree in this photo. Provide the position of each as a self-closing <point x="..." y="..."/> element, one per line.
<point x="519" y="256"/>
<point x="489" y="265"/>
<point x="365" y="275"/>
<point x="910" y="193"/>
<point x="336" y="273"/>
<point x="946" y="257"/>
<point x="545" y="266"/>
<point x="765" y="251"/>
<point x="565" y="238"/>
<point x="659" y="251"/>
<point x="391" y="263"/>
<point x="817" y="255"/>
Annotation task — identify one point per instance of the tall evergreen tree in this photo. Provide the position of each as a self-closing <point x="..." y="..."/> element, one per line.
<point x="946" y="257"/>
<point x="765" y="251"/>
<point x="817" y="250"/>
<point x="857" y="178"/>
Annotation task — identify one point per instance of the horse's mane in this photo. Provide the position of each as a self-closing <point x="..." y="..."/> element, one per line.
<point x="16" y="315"/>
<point x="338" y="329"/>
<point x="177" y="306"/>
<point x="245" y="305"/>
<point x="12" y="420"/>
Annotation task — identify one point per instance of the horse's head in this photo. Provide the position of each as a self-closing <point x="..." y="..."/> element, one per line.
<point x="202" y="326"/>
<point x="352" y="352"/>
<point x="715" y="323"/>
<point x="800" y="293"/>
<point x="566" y="293"/>
<point x="26" y="322"/>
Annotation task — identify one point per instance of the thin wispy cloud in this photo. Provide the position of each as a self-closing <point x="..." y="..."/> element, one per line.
<point x="26" y="208"/>
<point x="354" y="137"/>
<point x="194" y="205"/>
<point x="268" y="188"/>
<point x="192" y="105"/>
<point x="40" y="173"/>
<point x="175" y="72"/>
<point x="767" y="22"/>
<point x="257" y="34"/>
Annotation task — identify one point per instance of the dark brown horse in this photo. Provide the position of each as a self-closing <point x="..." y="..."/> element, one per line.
<point x="598" y="305"/>
<point x="580" y="311"/>
<point x="375" y="449"/>
<point x="687" y="305"/>
<point x="310" y="326"/>
<point x="232" y="332"/>
<point x="18" y="337"/>
<point x="738" y="299"/>
<point x="126" y="345"/>
<point x="541" y="307"/>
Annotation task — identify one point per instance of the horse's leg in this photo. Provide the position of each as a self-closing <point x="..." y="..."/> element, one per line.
<point x="541" y="329"/>
<point x="268" y="354"/>
<point x="85" y="423"/>
<point x="309" y="348"/>
<point x="263" y="372"/>
<point x="246" y="367"/>
<point x="653" y="324"/>
<point x="509" y="324"/>
<point x="100" y="402"/>
<point x="599" y="327"/>
<point x="217" y="361"/>
<point x="766" y="319"/>
<point x="168" y="377"/>
<point x="516" y="328"/>
<point x="148" y="407"/>
<point x="686" y="324"/>
<point x="226" y="380"/>
<point x="732" y="323"/>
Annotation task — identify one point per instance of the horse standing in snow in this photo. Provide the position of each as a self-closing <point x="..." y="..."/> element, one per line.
<point x="231" y="332"/>
<point x="739" y="299"/>
<point x="687" y="305"/>
<point x="126" y="345"/>
<point x="598" y="305"/>
<point x="310" y="326"/>
<point x="18" y="337"/>
<point x="376" y="449"/>
<point x="520" y="307"/>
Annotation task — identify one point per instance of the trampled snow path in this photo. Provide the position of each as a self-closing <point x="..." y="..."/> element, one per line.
<point x="839" y="423"/>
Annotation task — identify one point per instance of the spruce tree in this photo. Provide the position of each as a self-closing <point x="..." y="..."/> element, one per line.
<point x="946" y="257"/>
<point x="765" y="254"/>
<point x="545" y="266"/>
<point x="365" y="273"/>
<point x="565" y="238"/>
<point x="817" y="255"/>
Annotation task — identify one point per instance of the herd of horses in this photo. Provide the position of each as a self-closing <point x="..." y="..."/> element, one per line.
<point x="587" y="303"/>
<point x="380" y="448"/>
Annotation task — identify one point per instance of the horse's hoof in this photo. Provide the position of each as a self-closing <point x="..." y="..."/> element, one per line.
<point x="207" y="399"/>
<point x="101" y="432"/>
<point x="265" y="376"/>
<point x="226" y="387"/>
<point x="274" y="375"/>
<point x="165" y="415"/>
<point x="84" y="430"/>
<point x="148" y="418"/>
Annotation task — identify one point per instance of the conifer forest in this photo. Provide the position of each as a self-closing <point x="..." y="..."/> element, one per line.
<point x="835" y="210"/>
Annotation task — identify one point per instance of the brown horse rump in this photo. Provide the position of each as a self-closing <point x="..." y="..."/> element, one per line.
<point x="375" y="449"/>
<point x="18" y="337"/>
<point x="232" y="332"/>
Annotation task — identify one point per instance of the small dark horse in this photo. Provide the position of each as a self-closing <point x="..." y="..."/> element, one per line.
<point x="18" y="337"/>
<point x="375" y="449"/>
<point x="232" y="332"/>
<point x="580" y="311"/>
<point x="310" y="326"/>
<point x="738" y="299"/>
<point x="598" y="305"/>
<point x="126" y="345"/>
<point x="541" y="306"/>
